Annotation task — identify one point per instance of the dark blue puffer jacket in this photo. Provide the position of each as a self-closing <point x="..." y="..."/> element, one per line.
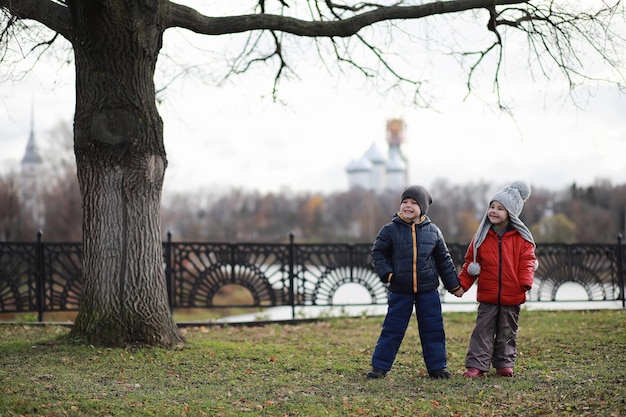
<point x="415" y="254"/>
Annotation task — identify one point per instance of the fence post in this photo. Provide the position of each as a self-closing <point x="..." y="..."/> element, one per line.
<point x="168" y="270"/>
<point x="39" y="276"/>
<point x="620" y="269"/>
<point x="292" y="290"/>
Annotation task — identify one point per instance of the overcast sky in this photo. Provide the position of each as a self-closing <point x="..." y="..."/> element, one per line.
<point x="218" y="137"/>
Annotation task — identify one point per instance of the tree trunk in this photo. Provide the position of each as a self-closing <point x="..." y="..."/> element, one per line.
<point x="120" y="157"/>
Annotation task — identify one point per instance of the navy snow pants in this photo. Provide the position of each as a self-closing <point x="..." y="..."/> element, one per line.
<point x="429" y="323"/>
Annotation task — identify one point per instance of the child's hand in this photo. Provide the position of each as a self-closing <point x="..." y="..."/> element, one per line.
<point x="459" y="293"/>
<point x="385" y="278"/>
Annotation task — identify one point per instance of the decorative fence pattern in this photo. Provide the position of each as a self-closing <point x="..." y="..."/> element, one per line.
<point x="45" y="277"/>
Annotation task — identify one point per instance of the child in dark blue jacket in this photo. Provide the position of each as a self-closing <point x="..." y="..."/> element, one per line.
<point x="410" y="255"/>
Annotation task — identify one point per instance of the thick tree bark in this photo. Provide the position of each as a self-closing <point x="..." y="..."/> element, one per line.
<point x="120" y="156"/>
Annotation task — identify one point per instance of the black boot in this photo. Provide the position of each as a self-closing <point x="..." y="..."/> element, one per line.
<point x="440" y="373"/>
<point x="376" y="373"/>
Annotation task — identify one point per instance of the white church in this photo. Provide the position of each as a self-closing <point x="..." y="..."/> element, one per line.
<point x="378" y="172"/>
<point x="32" y="181"/>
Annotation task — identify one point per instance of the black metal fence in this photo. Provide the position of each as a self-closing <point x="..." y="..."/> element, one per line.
<point x="46" y="277"/>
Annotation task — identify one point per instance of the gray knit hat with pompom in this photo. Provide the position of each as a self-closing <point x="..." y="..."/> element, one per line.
<point x="512" y="198"/>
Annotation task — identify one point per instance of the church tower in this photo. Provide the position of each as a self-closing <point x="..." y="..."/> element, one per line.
<point x="397" y="164"/>
<point x="375" y="172"/>
<point x="31" y="180"/>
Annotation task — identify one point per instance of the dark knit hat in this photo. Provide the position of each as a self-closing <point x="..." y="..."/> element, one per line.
<point x="419" y="194"/>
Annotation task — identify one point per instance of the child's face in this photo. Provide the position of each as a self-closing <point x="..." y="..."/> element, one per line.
<point x="497" y="214"/>
<point x="410" y="209"/>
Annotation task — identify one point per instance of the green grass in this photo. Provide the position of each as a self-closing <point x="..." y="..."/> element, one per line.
<point x="570" y="363"/>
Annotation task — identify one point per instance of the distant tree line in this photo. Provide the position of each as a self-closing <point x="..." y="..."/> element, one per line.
<point x="591" y="214"/>
<point x="594" y="214"/>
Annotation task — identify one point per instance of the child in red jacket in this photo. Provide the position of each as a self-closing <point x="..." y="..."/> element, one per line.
<point x="502" y="257"/>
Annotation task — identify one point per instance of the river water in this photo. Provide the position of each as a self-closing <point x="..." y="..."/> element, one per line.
<point x="352" y="300"/>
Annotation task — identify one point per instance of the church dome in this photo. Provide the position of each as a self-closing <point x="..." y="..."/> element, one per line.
<point x="377" y="171"/>
<point x="359" y="165"/>
<point x="375" y="155"/>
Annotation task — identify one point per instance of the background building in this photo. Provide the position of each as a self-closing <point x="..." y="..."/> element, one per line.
<point x="376" y="172"/>
<point x="31" y="181"/>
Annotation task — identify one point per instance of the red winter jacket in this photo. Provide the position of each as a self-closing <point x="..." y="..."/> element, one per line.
<point x="507" y="268"/>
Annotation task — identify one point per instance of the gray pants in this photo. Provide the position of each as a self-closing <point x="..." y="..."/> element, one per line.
<point x="493" y="340"/>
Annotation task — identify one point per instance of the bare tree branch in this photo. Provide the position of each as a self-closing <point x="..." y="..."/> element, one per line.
<point x="552" y="34"/>
<point x="188" y="18"/>
<point x="55" y="15"/>
<point x="556" y="39"/>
